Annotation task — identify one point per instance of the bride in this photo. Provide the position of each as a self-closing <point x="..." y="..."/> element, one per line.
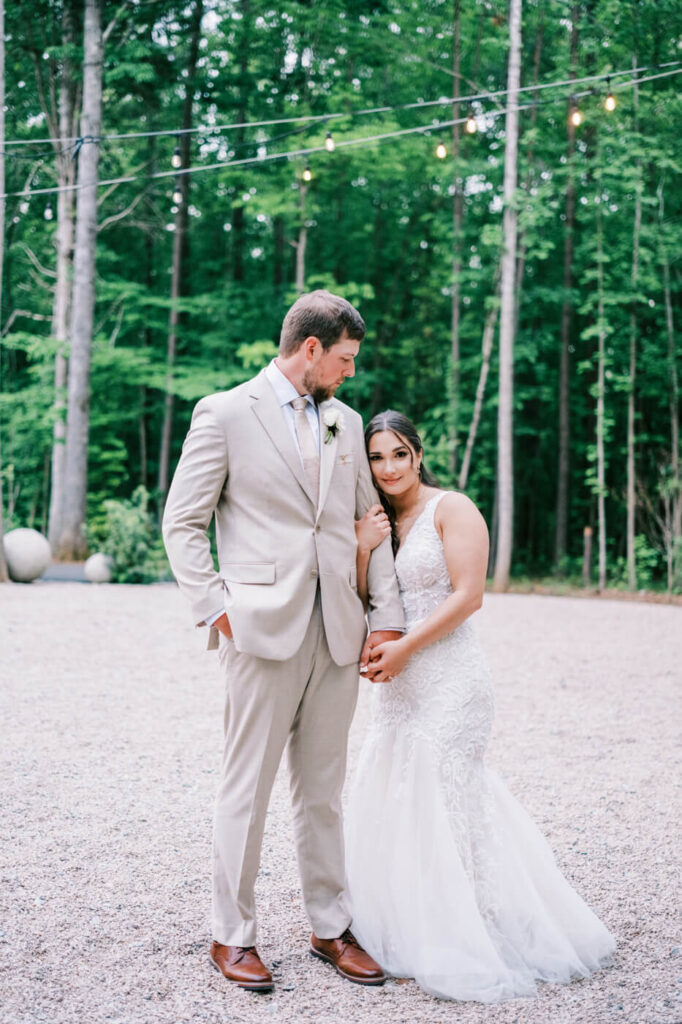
<point x="451" y="883"/>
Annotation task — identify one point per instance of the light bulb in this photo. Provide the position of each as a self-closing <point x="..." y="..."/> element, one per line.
<point x="48" y="215"/>
<point x="471" y="127"/>
<point x="307" y="174"/>
<point x="576" y="116"/>
<point x="23" y="206"/>
<point x="177" y="196"/>
<point x="441" y="151"/>
<point x="176" y="159"/>
<point x="329" y="143"/>
<point x="610" y="101"/>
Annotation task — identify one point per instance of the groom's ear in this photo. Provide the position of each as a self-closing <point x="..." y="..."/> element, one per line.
<point x="310" y="344"/>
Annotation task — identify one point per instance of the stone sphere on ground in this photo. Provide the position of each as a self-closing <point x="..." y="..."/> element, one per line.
<point x="97" y="569"/>
<point x="28" y="554"/>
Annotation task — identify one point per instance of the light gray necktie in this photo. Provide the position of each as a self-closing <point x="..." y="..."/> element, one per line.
<point x="308" y="446"/>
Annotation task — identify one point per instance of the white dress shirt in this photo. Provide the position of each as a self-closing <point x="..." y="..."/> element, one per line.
<point x="285" y="393"/>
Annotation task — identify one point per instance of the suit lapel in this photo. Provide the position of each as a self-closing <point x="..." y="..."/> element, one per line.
<point x="267" y="409"/>
<point x="327" y="458"/>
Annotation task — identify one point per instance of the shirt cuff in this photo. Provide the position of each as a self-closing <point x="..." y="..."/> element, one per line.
<point x="213" y="617"/>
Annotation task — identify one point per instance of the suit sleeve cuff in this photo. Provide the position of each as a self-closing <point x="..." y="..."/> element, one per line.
<point x="213" y="617"/>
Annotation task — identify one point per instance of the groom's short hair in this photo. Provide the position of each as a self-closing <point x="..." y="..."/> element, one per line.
<point x="322" y="315"/>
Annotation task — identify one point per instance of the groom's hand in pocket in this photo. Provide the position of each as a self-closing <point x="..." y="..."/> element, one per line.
<point x="223" y="624"/>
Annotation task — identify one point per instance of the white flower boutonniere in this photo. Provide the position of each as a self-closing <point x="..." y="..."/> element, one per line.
<point x="334" y="422"/>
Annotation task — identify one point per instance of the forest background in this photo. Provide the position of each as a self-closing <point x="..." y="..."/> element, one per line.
<point x="123" y="303"/>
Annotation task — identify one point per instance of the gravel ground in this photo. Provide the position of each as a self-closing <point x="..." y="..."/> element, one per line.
<point x="112" y="717"/>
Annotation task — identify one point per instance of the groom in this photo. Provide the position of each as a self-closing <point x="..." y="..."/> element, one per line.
<point x="281" y="465"/>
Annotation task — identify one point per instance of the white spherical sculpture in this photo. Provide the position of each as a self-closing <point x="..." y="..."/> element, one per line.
<point x="97" y="569"/>
<point x="28" y="554"/>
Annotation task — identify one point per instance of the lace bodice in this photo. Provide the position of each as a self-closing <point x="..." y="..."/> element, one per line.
<point x="446" y="684"/>
<point x="420" y="566"/>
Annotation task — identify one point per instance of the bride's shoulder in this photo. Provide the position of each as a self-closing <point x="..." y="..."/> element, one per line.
<point x="455" y="509"/>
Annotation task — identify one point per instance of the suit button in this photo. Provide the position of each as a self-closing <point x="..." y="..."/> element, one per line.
<point x="317" y="528"/>
<point x="313" y="574"/>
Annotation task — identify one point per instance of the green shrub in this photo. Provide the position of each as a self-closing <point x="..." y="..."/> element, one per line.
<point x="130" y="537"/>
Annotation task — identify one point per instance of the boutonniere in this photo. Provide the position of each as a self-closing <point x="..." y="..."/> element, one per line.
<point x="334" y="422"/>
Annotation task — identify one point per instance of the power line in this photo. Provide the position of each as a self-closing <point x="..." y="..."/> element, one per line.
<point x="433" y="126"/>
<point x="369" y="111"/>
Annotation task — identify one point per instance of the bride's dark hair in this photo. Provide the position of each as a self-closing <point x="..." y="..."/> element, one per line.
<point x="405" y="429"/>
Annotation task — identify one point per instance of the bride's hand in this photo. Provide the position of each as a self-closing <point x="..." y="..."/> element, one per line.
<point x="388" y="660"/>
<point x="372" y="528"/>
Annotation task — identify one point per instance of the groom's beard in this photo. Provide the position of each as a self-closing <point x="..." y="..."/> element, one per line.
<point x="316" y="391"/>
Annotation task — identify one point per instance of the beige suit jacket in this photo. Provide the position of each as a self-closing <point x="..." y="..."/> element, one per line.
<point x="240" y="462"/>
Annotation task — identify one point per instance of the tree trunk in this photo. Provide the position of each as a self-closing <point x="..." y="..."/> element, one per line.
<point x="505" y="463"/>
<point x="522" y="246"/>
<point x="457" y="217"/>
<point x="563" y="461"/>
<point x="62" y="294"/>
<point x="300" y="245"/>
<point x="631" y="561"/>
<point x="601" y="357"/>
<point x="486" y="352"/>
<point x="72" y="542"/>
<point x="3" y="564"/>
<point x="673" y="395"/>
<point x="243" y="84"/>
<point x="179" y="237"/>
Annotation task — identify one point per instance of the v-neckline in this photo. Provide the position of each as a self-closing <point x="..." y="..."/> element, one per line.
<point x="404" y="540"/>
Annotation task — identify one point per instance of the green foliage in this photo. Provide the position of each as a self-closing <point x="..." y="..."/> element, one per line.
<point x="379" y="224"/>
<point x="649" y="561"/>
<point x="129" y="535"/>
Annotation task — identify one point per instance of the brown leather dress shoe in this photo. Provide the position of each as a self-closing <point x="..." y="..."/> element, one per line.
<point x="242" y="965"/>
<point x="349" y="958"/>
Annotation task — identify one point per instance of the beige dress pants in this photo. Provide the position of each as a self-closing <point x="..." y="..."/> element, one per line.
<point x="306" y="704"/>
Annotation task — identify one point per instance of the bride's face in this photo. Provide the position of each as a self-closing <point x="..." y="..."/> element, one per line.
<point x="394" y="463"/>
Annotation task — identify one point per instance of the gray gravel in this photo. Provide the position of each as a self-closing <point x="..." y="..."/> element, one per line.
<point x="112" y="716"/>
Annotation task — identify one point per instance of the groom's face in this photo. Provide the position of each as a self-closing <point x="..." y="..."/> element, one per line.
<point x="328" y="368"/>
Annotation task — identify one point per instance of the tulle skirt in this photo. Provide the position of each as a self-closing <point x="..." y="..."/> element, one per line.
<point x="452" y="884"/>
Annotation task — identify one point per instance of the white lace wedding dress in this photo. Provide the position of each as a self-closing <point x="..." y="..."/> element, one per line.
<point x="450" y="881"/>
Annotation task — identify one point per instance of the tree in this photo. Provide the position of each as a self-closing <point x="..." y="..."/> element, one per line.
<point x="505" y="464"/>
<point x="72" y="543"/>
<point x="563" y="463"/>
<point x="457" y="214"/>
<point x="3" y="564"/>
<point x="179" y="245"/>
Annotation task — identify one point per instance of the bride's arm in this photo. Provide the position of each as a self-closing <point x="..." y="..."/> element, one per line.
<point x="369" y="531"/>
<point x="465" y="545"/>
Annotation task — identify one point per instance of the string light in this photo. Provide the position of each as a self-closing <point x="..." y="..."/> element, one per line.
<point x="177" y="192"/>
<point x="441" y="151"/>
<point x="48" y="215"/>
<point x="213" y="130"/>
<point x="610" y="101"/>
<point x="176" y="159"/>
<point x="470" y="126"/>
<point x="307" y="174"/>
<point x="329" y="143"/>
<point x="305" y="152"/>
<point x="576" y="118"/>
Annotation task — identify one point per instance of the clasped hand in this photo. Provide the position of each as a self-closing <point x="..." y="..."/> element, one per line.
<point x="384" y="656"/>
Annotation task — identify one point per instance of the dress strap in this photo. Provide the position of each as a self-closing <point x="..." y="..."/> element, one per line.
<point x="435" y="500"/>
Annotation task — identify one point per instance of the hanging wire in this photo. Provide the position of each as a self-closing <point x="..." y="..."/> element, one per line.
<point x="443" y="101"/>
<point x="290" y="154"/>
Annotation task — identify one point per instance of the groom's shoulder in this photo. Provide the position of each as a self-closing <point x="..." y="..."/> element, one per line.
<point x="225" y="403"/>
<point x="350" y="414"/>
